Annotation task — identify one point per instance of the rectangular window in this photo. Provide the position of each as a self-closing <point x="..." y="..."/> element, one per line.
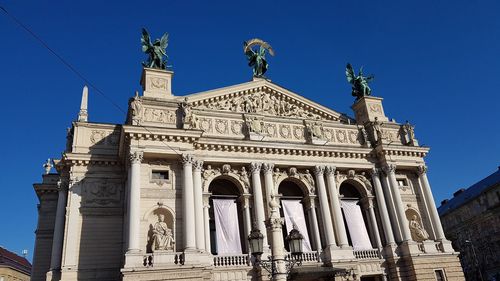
<point x="402" y="182"/>
<point x="159" y="175"/>
<point x="439" y="275"/>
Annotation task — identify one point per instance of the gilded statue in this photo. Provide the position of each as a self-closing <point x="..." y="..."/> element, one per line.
<point x="257" y="56"/>
<point x="156" y="51"/>
<point x="359" y="82"/>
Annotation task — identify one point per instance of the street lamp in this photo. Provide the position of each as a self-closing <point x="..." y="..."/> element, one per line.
<point x="294" y="240"/>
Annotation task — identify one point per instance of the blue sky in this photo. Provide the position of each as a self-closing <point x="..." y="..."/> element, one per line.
<point x="436" y="64"/>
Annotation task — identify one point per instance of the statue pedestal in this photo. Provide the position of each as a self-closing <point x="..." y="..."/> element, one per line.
<point x="367" y="108"/>
<point x="255" y="136"/>
<point x="318" y="141"/>
<point x="156" y="83"/>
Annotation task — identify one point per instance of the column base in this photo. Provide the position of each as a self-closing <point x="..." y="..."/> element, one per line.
<point x="333" y="254"/>
<point x="407" y="248"/>
<point x="53" y="275"/>
<point x="446" y="246"/>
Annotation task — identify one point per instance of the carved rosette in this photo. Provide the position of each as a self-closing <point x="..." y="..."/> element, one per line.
<point x="197" y="165"/>
<point x="187" y="159"/>
<point x="255" y="167"/>
<point x="136" y="157"/>
<point x="422" y="169"/>
<point x="267" y="168"/>
<point x="319" y="170"/>
<point x="389" y="169"/>
<point x="330" y="170"/>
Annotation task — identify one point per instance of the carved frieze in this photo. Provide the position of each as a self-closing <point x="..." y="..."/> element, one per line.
<point x="101" y="193"/>
<point x="158" y="115"/>
<point x="264" y="103"/>
<point x="104" y="137"/>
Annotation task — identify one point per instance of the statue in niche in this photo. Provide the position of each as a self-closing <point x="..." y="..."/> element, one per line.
<point x="418" y="233"/>
<point x="408" y="133"/>
<point x="136" y="109"/>
<point x="185" y="112"/>
<point x="359" y="82"/>
<point x="257" y="58"/>
<point x="162" y="236"/>
<point x="157" y="55"/>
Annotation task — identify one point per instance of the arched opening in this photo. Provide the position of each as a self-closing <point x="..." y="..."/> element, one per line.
<point x="355" y="218"/>
<point x="226" y="229"/>
<point x="294" y="211"/>
<point x="161" y="232"/>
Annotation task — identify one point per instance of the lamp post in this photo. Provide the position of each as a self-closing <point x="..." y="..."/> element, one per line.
<point x="476" y="262"/>
<point x="294" y="240"/>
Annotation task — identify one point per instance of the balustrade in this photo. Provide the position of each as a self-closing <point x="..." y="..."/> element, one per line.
<point x="232" y="260"/>
<point x="367" y="254"/>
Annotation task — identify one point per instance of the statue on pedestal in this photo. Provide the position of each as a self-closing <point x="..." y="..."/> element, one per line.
<point x="408" y="133"/>
<point x="162" y="237"/>
<point x="136" y="109"/>
<point x="257" y="58"/>
<point x="359" y="82"/>
<point x="156" y="51"/>
<point x="47" y="166"/>
<point x="185" y="113"/>
<point x="377" y="130"/>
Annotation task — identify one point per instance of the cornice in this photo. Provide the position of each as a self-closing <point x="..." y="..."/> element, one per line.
<point x="79" y="159"/>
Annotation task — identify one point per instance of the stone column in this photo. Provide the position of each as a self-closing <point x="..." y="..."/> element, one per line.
<point x="189" y="228"/>
<point x="431" y="205"/>
<point x="382" y="207"/>
<point x="314" y="222"/>
<point x="258" y="200"/>
<point x="373" y="222"/>
<point x="206" y="223"/>
<point x="275" y="224"/>
<point x="268" y="180"/>
<point x="57" y="242"/>
<point x="324" y="208"/>
<point x="337" y="211"/>
<point x="390" y="170"/>
<point x="134" y="203"/>
<point x="198" y="205"/>
<point x="247" y="226"/>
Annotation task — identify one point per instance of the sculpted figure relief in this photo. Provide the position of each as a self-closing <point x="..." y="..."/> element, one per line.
<point x="418" y="233"/>
<point x="162" y="237"/>
<point x="185" y="113"/>
<point x="254" y="124"/>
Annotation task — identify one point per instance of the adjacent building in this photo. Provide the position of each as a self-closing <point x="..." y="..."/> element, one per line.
<point x="174" y="192"/>
<point x="13" y="267"/>
<point x="471" y="220"/>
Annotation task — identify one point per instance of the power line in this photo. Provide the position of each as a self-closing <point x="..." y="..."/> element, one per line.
<point x="72" y="68"/>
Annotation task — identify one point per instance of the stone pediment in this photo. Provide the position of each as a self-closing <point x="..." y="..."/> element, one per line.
<point x="262" y="97"/>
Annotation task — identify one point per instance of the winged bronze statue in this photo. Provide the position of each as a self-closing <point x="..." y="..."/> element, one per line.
<point x="359" y="82"/>
<point x="157" y="54"/>
<point x="257" y="56"/>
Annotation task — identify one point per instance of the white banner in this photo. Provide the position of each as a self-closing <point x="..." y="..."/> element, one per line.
<point x="294" y="214"/>
<point x="226" y="226"/>
<point x="356" y="224"/>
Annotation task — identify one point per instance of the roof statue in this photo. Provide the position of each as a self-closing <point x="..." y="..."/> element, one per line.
<point x="156" y="51"/>
<point x="257" y="57"/>
<point x="359" y="82"/>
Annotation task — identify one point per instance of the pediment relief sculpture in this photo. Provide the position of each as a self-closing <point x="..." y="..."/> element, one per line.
<point x="240" y="175"/>
<point x="263" y="101"/>
<point x="315" y="133"/>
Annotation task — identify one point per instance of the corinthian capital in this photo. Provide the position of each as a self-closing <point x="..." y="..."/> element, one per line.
<point x="389" y="169"/>
<point x="319" y="170"/>
<point x="375" y="172"/>
<point x="136" y="157"/>
<point x="187" y="159"/>
<point x="197" y="165"/>
<point x="330" y="170"/>
<point x="255" y="167"/>
<point x="421" y="170"/>
<point x="267" y="167"/>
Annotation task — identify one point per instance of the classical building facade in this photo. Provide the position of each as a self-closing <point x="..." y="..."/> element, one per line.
<point x="174" y="192"/>
<point x="13" y="267"/>
<point x="471" y="220"/>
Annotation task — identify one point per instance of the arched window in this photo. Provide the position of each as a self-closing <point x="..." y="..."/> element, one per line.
<point x="226" y="229"/>
<point x="294" y="212"/>
<point x="355" y="219"/>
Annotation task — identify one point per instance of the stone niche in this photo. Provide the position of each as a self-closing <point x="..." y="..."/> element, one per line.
<point x="161" y="231"/>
